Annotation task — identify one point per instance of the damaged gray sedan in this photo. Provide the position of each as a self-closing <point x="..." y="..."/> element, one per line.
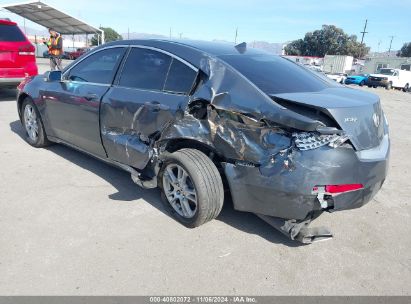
<point x="203" y="120"/>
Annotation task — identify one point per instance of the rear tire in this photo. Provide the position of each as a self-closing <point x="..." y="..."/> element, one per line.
<point x="36" y="136"/>
<point x="362" y="83"/>
<point x="192" y="189"/>
<point x="406" y="88"/>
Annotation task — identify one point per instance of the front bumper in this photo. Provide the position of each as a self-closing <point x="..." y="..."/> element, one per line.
<point x="283" y="188"/>
<point x="375" y="83"/>
<point x="349" y="81"/>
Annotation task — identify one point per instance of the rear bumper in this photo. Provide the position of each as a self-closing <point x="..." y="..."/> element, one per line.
<point x="286" y="191"/>
<point x="11" y="81"/>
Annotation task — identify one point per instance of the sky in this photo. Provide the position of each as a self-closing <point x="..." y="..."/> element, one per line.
<point x="261" y="20"/>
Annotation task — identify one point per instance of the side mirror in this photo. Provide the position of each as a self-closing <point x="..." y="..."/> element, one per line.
<point x="52" y="76"/>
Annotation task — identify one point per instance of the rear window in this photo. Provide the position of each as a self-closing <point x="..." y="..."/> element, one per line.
<point x="276" y="75"/>
<point x="180" y="78"/>
<point x="11" y="33"/>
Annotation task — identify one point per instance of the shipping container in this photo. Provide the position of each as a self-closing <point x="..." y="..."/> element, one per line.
<point x="337" y="64"/>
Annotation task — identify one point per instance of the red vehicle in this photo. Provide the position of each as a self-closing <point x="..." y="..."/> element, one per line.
<point x="77" y="53"/>
<point x="17" y="55"/>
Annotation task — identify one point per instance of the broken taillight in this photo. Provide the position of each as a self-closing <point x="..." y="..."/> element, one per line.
<point x="342" y="188"/>
<point x="328" y="191"/>
<point x="334" y="189"/>
<point x="313" y="140"/>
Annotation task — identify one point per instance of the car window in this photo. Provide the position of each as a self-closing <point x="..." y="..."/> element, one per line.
<point x="274" y="74"/>
<point x="180" y="78"/>
<point x="97" y="68"/>
<point x="145" y="69"/>
<point x="11" y="33"/>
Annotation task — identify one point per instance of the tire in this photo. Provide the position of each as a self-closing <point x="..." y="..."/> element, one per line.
<point x="31" y="120"/>
<point x="202" y="178"/>
<point x="370" y="86"/>
<point x="362" y="83"/>
<point x="406" y="88"/>
<point x="388" y="86"/>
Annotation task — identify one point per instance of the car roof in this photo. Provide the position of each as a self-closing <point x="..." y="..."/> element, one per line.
<point x="7" y="22"/>
<point x="208" y="47"/>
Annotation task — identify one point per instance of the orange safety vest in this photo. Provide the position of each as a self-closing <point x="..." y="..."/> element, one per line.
<point x="54" y="42"/>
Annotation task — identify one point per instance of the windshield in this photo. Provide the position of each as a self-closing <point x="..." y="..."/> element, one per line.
<point x="275" y="75"/>
<point x="387" y="71"/>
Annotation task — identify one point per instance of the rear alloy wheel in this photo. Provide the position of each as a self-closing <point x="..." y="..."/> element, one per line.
<point x="33" y="125"/>
<point x="192" y="189"/>
<point x="362" y="83"/>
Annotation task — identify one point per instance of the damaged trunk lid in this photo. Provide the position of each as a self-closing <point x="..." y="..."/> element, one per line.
<point x="357" y="113"/>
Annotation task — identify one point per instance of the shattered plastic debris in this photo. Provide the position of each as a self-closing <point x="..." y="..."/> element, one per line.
<point x="312" y="140"/>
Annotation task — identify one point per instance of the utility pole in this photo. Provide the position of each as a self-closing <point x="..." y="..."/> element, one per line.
<point x="128" y="33"/>
<point x="389" y="50"/>
<point x="181" y="35"/>
<point x="379" y="43"/>
<point x="170" y="33"/>
<point x="364" y="32"/>
<point x="236" y="34"/>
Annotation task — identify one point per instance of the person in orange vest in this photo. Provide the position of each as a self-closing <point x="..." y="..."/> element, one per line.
<point x="55" y="46"/>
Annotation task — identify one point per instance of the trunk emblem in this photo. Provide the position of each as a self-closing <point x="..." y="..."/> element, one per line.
<point x="350" y="119"/>
<point x="376" y="119"/>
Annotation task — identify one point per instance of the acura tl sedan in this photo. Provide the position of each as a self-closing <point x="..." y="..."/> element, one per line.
<point x="203" y="121"/>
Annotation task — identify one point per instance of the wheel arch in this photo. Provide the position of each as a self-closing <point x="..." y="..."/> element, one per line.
<point x="20" y="101"/>
<point x="175" y="144"/>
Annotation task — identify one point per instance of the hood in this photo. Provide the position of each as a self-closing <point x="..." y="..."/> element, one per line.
<point x="356" y="112"/>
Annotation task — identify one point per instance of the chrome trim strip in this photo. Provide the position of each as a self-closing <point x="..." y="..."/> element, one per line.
<point x="167" y="53"/>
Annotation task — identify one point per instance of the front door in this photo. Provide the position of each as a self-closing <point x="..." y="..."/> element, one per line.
<point x="73" y="105"/>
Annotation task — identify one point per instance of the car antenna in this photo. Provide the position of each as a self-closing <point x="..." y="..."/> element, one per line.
<point x="241" y="47"/>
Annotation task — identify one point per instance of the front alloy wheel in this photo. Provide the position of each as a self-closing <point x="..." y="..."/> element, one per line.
<point x="30" y="122"/>
<point x="36" y="135"/>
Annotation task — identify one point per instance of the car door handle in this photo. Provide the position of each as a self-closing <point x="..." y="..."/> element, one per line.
<point x="91" y="96"/>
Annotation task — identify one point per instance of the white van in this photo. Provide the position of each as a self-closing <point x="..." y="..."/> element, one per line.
<point x="391" y="78"/>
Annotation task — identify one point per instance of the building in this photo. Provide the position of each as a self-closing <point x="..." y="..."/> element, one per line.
<point x="373" y="64"/>
<point x="308" y="60"/>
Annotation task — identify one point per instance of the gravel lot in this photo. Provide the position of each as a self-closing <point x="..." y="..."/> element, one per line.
<point x="72" y="225"/>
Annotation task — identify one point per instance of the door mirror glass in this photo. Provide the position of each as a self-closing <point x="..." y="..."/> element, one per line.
<point x="51" y="76"/>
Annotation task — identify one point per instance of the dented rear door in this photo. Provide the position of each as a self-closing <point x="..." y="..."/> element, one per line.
<point x="150" y="92"/>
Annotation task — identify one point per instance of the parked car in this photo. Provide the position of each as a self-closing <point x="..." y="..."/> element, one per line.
<point x="17" y="55"/>
<point x="64" y="56"/>
<point x="77" y="53"/>
<point x="198" y="118"/>
<point x="390" y="78"/>
<point x="338" y="77"/>
<point x="360" y="79"/>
